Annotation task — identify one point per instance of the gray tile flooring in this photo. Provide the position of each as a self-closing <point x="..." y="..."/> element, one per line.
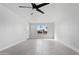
<point x="39" y="47"/>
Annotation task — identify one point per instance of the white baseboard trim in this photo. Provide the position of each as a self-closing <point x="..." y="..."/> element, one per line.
<point x="76" y="50"/>
<point x="13" y="44"/>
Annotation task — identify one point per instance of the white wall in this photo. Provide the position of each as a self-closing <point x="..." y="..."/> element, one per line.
<point x="12" y="28"/>
<point x="67" y="26"/>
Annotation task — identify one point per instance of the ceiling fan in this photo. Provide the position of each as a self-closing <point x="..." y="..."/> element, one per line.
<point x="34" y="6"/>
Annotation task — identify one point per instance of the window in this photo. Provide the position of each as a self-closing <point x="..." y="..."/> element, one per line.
<point x="41" y="29"/>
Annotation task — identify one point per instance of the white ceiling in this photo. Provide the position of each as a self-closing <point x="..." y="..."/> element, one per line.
<point x="53" y="12"/>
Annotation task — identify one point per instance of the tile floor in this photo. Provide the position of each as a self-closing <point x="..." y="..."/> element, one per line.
<point x="39" y="47"/>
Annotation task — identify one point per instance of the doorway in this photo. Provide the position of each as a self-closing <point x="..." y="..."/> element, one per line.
<point x="41" y="30"/>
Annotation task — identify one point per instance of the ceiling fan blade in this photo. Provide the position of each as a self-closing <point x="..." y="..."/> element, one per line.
<point x="33" y="5"/>
<point x="41" y="5"/>
<point x="24" y="7"/>
<point x="40" y="11"/>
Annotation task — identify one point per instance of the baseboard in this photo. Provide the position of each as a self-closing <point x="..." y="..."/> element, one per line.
<point x="76" y="50"/>
<point x="13" y="44"/>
